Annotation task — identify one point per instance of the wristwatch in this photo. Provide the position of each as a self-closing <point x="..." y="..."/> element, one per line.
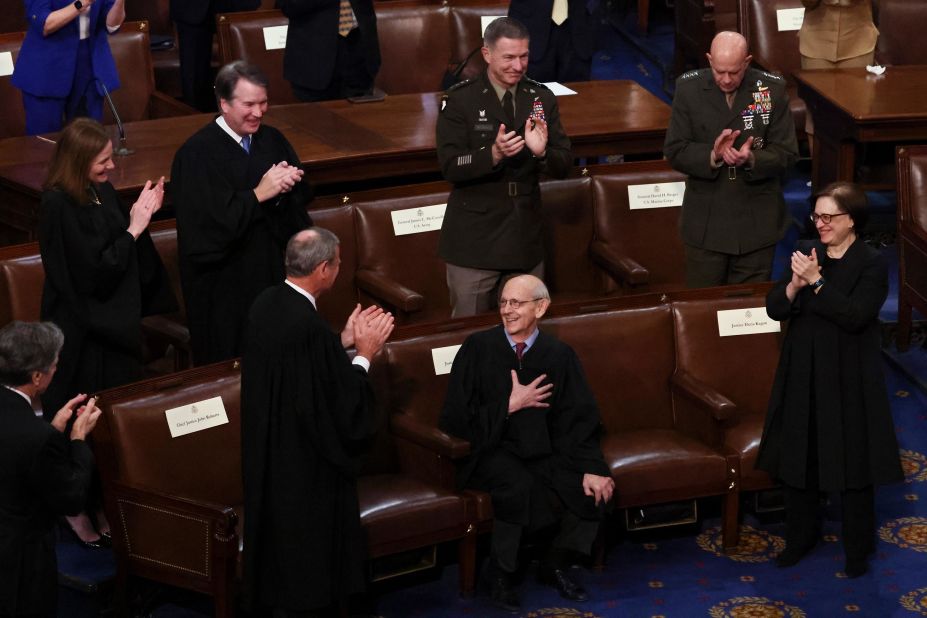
<point x="817" y="284"/>
<point x="78" y="4"/>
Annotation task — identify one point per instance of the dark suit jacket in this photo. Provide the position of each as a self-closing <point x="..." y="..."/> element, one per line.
<point x="46" y="64"/>
<point x="42" y="475"/>
<point x="747" y="212"/>
<point x="198" y="11"/>
<point x="311" y="40"/>
<point x="535" y="14"/>
<point x="493" y="217"/>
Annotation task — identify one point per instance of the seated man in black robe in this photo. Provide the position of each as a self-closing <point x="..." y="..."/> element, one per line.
<point x="306" y="415"/>
<point x="519" y="396"/>
<point x="240" y="195"/>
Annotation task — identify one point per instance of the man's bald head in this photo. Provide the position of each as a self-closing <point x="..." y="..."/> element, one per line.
<point x="729" y="60"/>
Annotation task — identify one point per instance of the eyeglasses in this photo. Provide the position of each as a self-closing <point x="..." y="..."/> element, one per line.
<point x="825" y="217"/>
<point x="515" y="303"/>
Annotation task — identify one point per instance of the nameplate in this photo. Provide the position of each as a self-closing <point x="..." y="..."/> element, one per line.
<point x="6" y="64"/>
<point x="275" y="37"/>
<point x="657" y="195"/>
<point x="559" y="89"/>
<point x="443" y="359"/>
<point x="485" y="20"/>
<point x="418" y="220"/>
<point x="790" y="19"/>
<point x="195" y="417"/>
<point x="746" y="322"/>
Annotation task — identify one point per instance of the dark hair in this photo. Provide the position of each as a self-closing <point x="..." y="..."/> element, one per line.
<point x="850" y="198"/>
<point x="78" y="145"/>
<point x="228" y="76"/>
<point x="26" y="347"/>
<point x="305" y="251"/>
<point x="504" y="28"/>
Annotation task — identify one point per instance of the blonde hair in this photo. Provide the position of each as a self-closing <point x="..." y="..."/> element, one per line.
<point x="78" y="145"/>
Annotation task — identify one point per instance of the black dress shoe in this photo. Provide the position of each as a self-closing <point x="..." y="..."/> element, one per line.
<point x="99" y="543"/>
<point x="502" y="592"/>
<point x="855" y="568"/>
<point x="793" y="553"/>
<point x="567" y="587"/>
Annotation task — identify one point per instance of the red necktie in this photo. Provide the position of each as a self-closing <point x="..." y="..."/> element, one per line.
<point x="520" y="349"/>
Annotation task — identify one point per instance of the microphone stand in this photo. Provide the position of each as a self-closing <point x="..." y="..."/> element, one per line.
<point x="122" y="150"/>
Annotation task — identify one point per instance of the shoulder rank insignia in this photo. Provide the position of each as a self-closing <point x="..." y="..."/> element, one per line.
<point x="443" y="103"/>
<point x="459" y="85"/>
<point x="689" y="75"/>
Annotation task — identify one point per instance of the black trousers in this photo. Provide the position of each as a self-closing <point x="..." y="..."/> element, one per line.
<point x="560" y="62"/>
<point x="196" y="78"/>
<point x="350" y="78"/>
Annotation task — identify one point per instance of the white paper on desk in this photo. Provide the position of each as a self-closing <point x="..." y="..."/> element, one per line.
<point x="418" y="220"/>
<point x="443" y="359"/>
<point x="6" y="64"/>
<point x="485" y="20"/>
<point x="559" y="89"/>
<point x="657" y="195"/>
<point x="275" y="37"/>
<point x="195" y="417"/>
<point x="790" y="19"/>
<point x="749" y="321"/>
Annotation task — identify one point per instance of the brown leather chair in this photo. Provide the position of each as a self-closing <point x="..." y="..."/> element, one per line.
<point x="414" y="46"/>
<point x="241" y="37"/>
<point x="658" y="432"/>
<point x="466" y="32"/>
<point x="901" y="23"/>
<point x="644" y="244"/>
<point x="13" y="17"/>
<point x="403" y="273"/>
<point x="696" y="23"/>
<point x="21" y="281"/>
<point x="13" y="118"/>
<point x="166" y="60"/>
<point x="338" y="303"/>
<point x="912" y="237"/>
<point x="740" y="369"/>
<point x="171" y="329"/>
<point x="773" y="50"/>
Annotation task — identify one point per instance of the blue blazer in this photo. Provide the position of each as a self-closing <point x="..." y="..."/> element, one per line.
<point x="46" y="65"/>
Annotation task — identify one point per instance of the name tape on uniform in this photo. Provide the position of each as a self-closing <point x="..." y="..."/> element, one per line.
<point x="275" y="37"/>
<point x="6" y="64"/>
<point x="750" y="321"/>
<point x="196" y="416"/>
<point x="790" y="19"/>
<point x="658" y="195"/>
<point x="418" y="220"/>
<point x="443" y="359"/>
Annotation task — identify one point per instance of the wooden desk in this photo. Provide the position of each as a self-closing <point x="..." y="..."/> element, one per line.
<point x="852" y="107"/>
<point x="340" y="142"/>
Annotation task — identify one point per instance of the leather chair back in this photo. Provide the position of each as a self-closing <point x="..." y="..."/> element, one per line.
<point x="466" y="31"/>
<point x="410" y="260"/>
<point x="13" y="17"/>
<point x="901" y="23"/>
<point x="912" y="238"/>
<point x="413" y="45"/>
<point x="241" y="37"/>
<point x="13" y="118"/>
<point x="164" y="236"/>
<point x="338" y="303"/>
<point x="21" y="281"/>
<point x="131" y="48"/>
<point x="650" y="236"/>
<point x="156" y="12"/>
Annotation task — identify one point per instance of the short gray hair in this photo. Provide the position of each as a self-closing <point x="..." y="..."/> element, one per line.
<point x="504" y="28"/>
<point x="26" y="347"/>
<point x="229" y="75"/>
<point x="305" y="251"/>
<point x="541" y="291"/>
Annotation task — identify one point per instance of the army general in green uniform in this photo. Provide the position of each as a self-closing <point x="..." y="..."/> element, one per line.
<point x="495" y="135"/>
<point x="732" y="133"/>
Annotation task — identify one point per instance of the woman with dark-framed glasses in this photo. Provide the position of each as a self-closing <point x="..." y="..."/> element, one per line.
<point x="829" y="427"/>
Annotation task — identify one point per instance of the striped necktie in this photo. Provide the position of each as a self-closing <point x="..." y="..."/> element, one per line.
<point x="346" y="19"/>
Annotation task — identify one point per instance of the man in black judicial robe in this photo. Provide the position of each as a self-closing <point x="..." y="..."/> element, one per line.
<point x="239" y="195"/>
<point x="307" y="413"/>
<point x="519" y="396"/>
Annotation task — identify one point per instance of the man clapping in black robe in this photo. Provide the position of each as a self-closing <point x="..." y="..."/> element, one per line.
<point x="519" y="396"/>
<point x="307" y="412"/>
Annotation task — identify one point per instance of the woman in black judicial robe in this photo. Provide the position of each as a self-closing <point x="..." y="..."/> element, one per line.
<point x="102" y="272"/>
<point x="829" y="426"/>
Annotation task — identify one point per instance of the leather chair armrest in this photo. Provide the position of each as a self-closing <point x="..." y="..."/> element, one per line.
<point x="620" y="266"/>
<point x="166" y="328"/>
<point x="390" y="291"/>
<point x="165" y="106"/>
<point x="720" y="407"/>
<point x="432" y="438"/>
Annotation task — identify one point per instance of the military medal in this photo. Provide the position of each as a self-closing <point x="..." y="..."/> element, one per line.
<point x="537" y="109"/>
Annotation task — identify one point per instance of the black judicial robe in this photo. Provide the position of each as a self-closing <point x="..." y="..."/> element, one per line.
<point x="307" y="414"/>
<point x="43" y="474"/>
<point x="230" y="246"/>
<point x="561" y="442"/>
<point x="831" y="359"/>
<point x="99" y="282"/>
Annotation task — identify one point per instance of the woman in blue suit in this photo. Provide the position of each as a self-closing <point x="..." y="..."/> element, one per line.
<point x="64" y="56"/>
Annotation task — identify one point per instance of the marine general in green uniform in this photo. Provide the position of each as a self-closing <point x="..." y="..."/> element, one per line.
<point x="732" y="133"/>
<point x="495" y="135"/>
